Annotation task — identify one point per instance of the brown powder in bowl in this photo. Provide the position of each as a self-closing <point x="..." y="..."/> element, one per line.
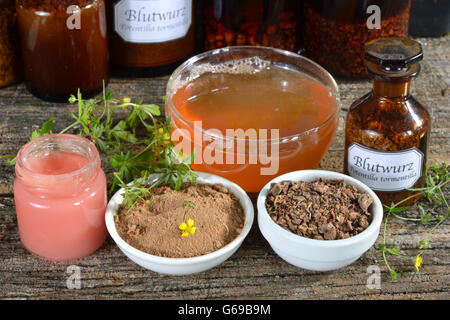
<point x="322" y="209"/>
<point x="153" y="228"/>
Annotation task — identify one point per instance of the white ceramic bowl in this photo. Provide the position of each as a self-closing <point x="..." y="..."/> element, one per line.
<point x="181" y="266"/>
<point x="311" y="254"/>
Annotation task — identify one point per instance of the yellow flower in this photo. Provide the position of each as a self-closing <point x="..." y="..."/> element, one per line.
<point x="164" y="136"/>
<point x="125" y="101"/>
<point x="187" y="228"/>
<point x="418" y="261"/>
<point x="180" y="157"/>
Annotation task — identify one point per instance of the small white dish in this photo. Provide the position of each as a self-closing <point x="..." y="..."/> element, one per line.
<point x="181" y="266"/>
<point x="311" y="254"/>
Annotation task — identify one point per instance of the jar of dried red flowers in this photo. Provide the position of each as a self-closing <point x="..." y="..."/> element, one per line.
<point x="10" y="62"/>
<point x="269" y="23"/>
<point x="336" y="30"/>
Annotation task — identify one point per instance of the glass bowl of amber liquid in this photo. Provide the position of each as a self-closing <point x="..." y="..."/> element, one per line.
<point x="252" y="113"/>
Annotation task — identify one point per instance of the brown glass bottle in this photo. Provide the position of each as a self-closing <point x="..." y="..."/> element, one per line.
<point x="63" y="49"/>
<point x="150" y="37"/>
<point x="10" y="61"/>
<point x="386" y="130"/>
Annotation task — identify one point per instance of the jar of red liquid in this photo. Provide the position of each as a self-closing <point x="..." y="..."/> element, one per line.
<point x="64" y="47"/>
<point x="10" y="62"/>
<point x="60" y="197"/>
<point x="269" y="23"/>
<point x="336" y="31"/>
<point x="150" y="37"/>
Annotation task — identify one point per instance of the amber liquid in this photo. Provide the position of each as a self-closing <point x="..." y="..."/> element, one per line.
<point x="272" y="99"/>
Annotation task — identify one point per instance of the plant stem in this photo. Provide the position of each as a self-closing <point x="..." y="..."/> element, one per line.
<point x="70" y="127"/>
<point x="405" y="218"/>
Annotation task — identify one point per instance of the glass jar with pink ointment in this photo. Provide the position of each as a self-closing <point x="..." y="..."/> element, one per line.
<point x="60" y="196"/>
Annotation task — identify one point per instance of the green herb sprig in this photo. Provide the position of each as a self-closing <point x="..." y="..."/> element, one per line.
<point x="96" y="120"/>
<point x="437" y="177"/>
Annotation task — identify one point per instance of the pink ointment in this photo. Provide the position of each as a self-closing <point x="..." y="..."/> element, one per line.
<point x="60" y="197"/>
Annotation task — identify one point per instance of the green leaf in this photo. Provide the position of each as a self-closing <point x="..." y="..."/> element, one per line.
<point x="48" y="126"/>
<point x="393" y="274"/>
<point x="188" y="203"/>
<point x="438" y="200"/>
<point x="120" y="131"/>
<point x="109" y="95"/>
<point x="424" y="216"/>
<point x="392" y="250"/>
<point x="35" y="134"/>
<point x="101" y="145"/>
<point x="152" y="108"/>
<point x="397" y="209"/>
<point x="430" y="181"/>
<point x="179" y="181"/>
<point x="46" y="129"/>
<point x="424" y="244"/>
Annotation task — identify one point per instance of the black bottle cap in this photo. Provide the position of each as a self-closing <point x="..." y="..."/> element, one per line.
<point x="393" y="54"/>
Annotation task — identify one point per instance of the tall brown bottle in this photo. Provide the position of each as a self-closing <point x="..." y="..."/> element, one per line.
<point x="149" y="37"/>
<point x="387" y="129"/>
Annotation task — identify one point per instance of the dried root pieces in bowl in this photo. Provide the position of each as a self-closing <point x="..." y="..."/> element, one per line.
<point x="321" y="210"/>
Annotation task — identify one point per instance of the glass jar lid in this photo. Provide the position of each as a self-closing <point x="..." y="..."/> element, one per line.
<point x="394" y="53"/>
<point x="393" y="56"/>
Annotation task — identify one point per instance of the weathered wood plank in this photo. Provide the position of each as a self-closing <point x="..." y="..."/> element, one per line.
<point x="255" y="271"/>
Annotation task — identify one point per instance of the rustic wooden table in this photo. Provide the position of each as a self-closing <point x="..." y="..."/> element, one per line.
<point x="255" y="271"/>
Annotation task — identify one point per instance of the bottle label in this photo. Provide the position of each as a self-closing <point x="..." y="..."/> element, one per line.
<point x="152" y="21"/>
<point x="385" y="170"/>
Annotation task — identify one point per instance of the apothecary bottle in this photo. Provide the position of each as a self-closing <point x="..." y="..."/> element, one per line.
<point x="336" y="31"/>
<point x="10" y="61"/>
<point x="386" y="130"/>
<point x="64" y="46"/>
<point x="60" y="197"/>
<point x="274" y="23"/>
<point x="150" y="37"/>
